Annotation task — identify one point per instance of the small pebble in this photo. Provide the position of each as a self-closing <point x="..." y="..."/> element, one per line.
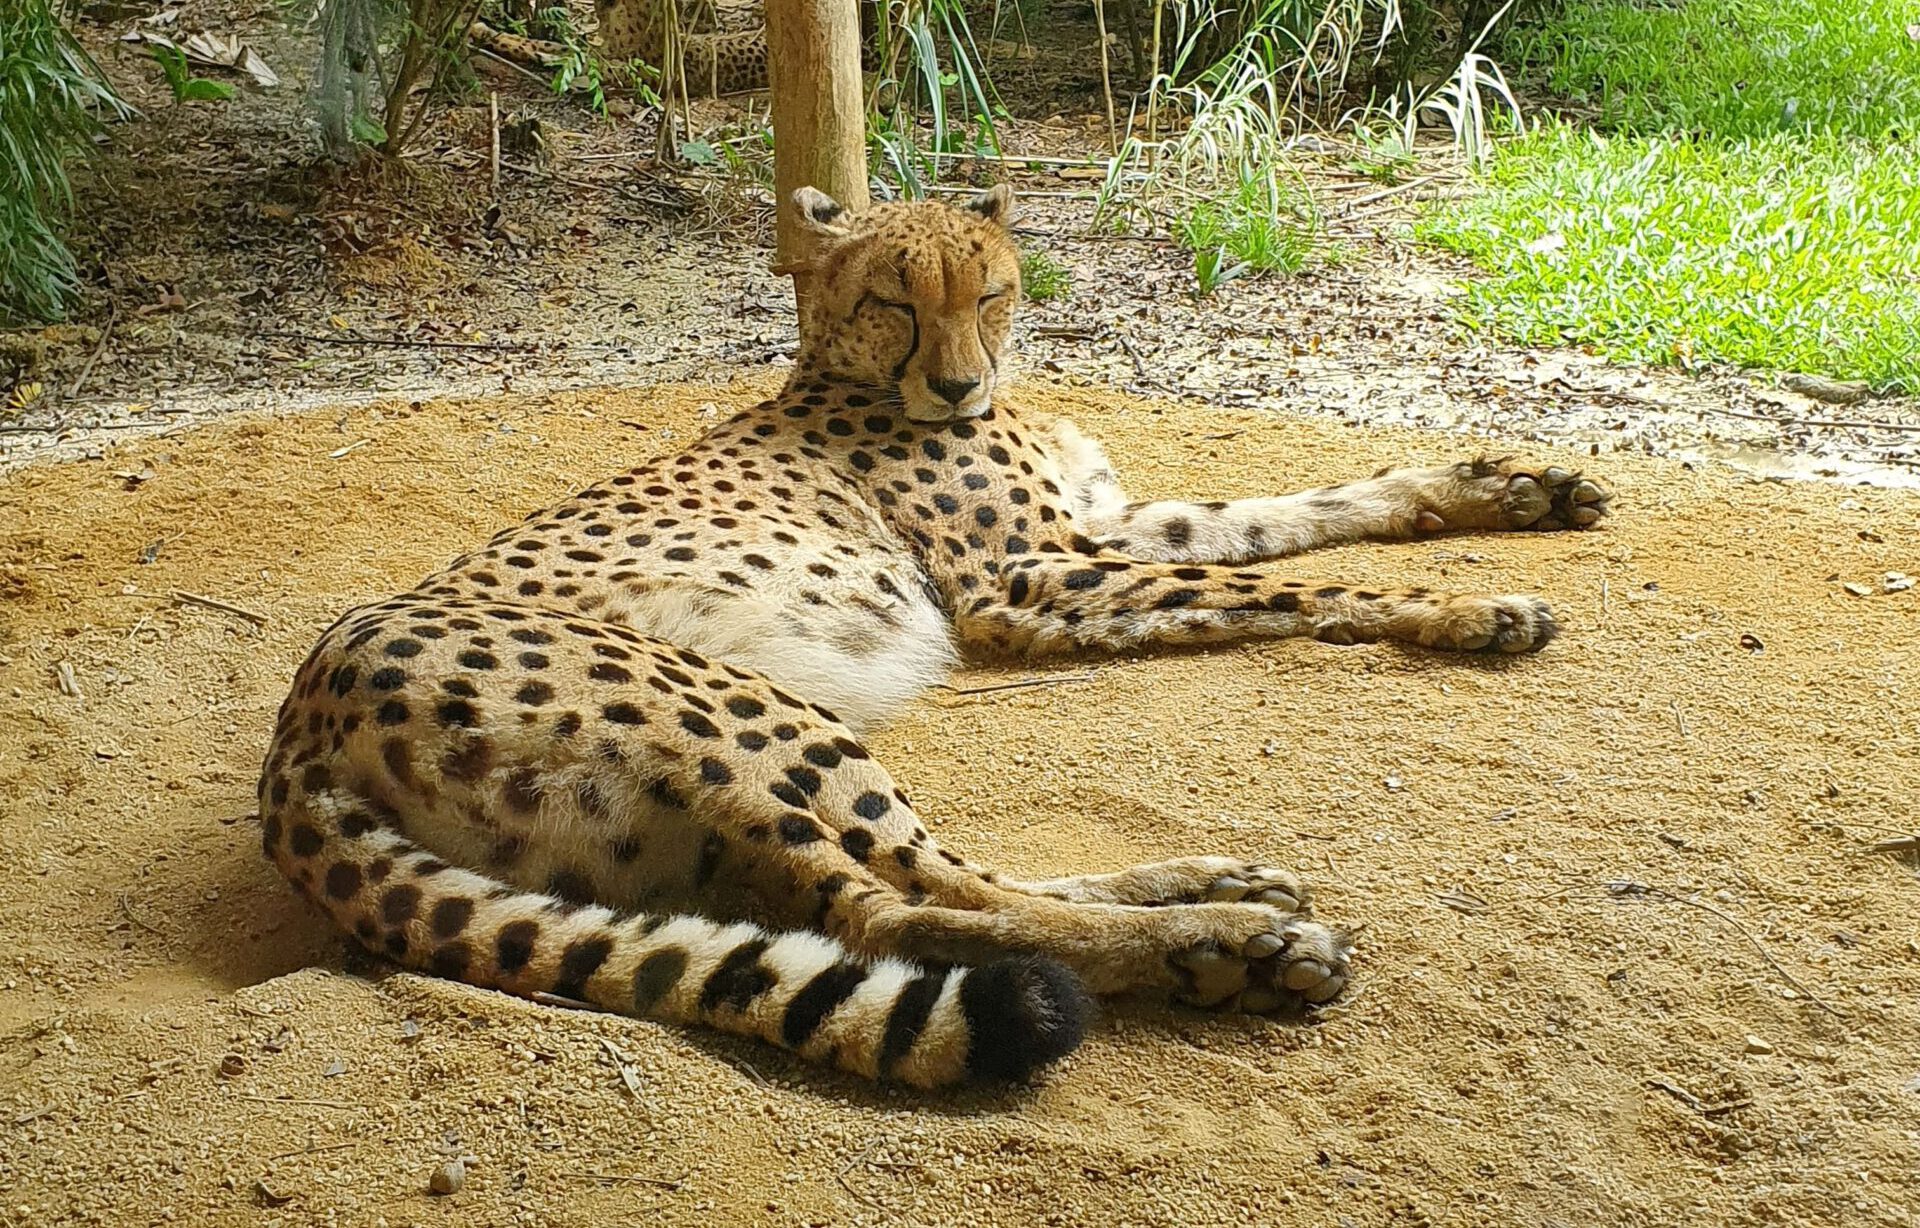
<point x="1757" y="1046"/>
<point x="448" y="1178"/>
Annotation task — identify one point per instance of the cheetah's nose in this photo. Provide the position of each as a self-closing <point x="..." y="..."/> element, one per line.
<point x="952" y="391"/>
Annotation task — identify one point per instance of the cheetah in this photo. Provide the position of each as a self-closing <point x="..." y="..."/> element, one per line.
<point x="728" y="60"/>
<point x="614" y="756"/>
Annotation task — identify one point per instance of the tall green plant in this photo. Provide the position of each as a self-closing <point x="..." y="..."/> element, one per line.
<point x="52" y="102"/>
<point x="932" y="78"/>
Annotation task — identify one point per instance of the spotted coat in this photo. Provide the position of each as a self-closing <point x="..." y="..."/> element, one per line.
<point x="615" y="755"/>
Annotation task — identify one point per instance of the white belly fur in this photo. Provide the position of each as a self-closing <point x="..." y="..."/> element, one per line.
<point x="858" y="653"/>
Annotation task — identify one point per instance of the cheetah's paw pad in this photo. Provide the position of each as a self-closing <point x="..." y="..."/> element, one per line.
<point x="1284" y="968"/>
<point x="1550" y="498"/>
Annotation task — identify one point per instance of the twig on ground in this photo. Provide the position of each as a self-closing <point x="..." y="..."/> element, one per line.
<point x="630" y="1179"/>
<point x="1694" y="1102"/>
<point x="407" y="343"/>
<point x="841" y="1176"/>
<point x="106" y="335"/>
<point x="1021" y="684"/>
<point x="1898" y="844"/>
<point x="308" y="1151"/>
<point x="254" y="617"/>
<point x="126" y="910"/>
<point x="553" y="999"/>
<point x="1626" y="889"/>
<point x="493" y="111"/>
<point x="303" y="1100"/>
<point x="1845" y="424"/>
<point x="1383" y="193"/>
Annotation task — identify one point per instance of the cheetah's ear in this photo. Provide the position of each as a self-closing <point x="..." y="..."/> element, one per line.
<point x="994" y="205"/>
<point x="819" y="213"/>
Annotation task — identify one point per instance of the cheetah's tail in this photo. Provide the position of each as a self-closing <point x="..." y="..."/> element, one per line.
<point x="881" y="1018"/>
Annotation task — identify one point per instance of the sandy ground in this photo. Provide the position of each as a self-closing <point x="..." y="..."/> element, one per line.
<point x="1628" y="957"/>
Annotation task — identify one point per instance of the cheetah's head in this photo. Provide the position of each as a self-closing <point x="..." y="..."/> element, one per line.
<point x="915" y="295"/>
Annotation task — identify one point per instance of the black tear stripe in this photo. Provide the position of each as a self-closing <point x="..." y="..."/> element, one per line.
<point x="578" y="964"/>
<point x="909" y="1018"/>
<point x="739" y="979"/>
<point x="818" y="999"/>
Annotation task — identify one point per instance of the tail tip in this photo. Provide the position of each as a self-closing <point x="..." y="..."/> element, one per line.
<point x="1022" y="1014"/>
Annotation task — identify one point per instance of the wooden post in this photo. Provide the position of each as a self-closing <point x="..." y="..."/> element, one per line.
<point x="819" y="124"/>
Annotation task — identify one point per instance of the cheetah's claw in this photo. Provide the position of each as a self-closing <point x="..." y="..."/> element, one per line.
<point x="1256" y="884"/>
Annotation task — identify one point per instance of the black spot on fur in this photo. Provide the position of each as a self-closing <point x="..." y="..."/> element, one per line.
<point x="571" y="886"/>
<point x="450" y="961"/>
<point x="657" y="974"/>
<point x="514" y="947"/>
<point x="305" y="841"/>
<point x="739" y="979"/>
<point x="818" y="999"/>
<point x="581" y="960"/>
<point x="796" y="829"/>
<point x="343" y="880"/>
<point x="457" y="712"/>
<point x="908" y="1018"/>
<point x="399" y="904"/>
<point x="450" y="916"/>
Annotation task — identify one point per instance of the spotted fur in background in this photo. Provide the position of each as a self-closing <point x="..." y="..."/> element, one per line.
<point x="729" y="60"/>
<point x="614" y="755"/>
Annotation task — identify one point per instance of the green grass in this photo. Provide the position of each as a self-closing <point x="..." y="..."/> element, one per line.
<point x="1043" y="278"/>
<point x="1264" y="225"/>
<point x="1757" y="200"/>
<point x="1731" y="68"/>
<point x="1795" y="253"/>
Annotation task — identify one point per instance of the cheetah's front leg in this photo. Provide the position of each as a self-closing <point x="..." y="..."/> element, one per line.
<point x="1393" y="505"/>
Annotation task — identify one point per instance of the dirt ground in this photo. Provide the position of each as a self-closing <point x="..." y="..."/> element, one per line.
<point x="1629" y="958"/>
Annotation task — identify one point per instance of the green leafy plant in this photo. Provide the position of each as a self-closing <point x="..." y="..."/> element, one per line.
<point x="53" y="100"/>
<point x="918" y="88"/>
<point x="180" y="79"/>
<point x="1263" y="226"/>
<point x="1043" y="278"/>
<point x="373" y="55"/>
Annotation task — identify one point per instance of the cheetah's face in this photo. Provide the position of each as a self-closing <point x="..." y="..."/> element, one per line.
<point x="917" y="296"/>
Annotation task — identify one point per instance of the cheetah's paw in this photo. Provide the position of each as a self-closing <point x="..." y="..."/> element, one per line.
<point x="1488" y="624"/>
<point x="1283" y="965"/>
<point x="1226" y="880"/>
<point x="1553" y="498"/>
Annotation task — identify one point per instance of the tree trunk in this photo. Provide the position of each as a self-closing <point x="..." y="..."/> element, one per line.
<point x="819" y="125"/>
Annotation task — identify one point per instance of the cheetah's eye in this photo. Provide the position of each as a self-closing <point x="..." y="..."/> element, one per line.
<point x="992" y="296"/>
<point x="877" y="301"/>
